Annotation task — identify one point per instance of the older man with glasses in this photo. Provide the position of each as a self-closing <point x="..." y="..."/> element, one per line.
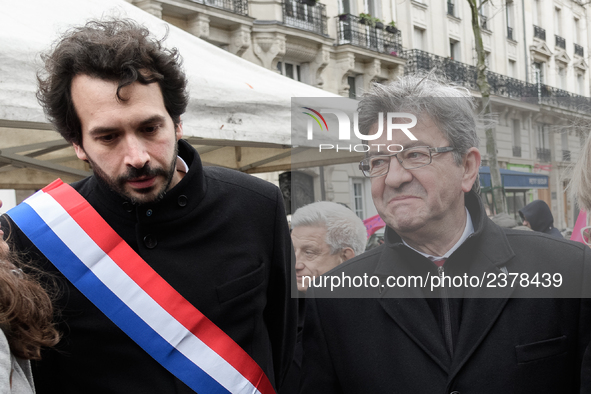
<point x="451" y="303"/>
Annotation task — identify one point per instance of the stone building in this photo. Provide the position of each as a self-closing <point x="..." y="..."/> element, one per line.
<point x="536" y="52"/>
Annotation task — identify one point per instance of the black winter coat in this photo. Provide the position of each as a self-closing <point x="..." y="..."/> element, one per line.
<point x="221" y="239"/>
<point x="395" y="340"/>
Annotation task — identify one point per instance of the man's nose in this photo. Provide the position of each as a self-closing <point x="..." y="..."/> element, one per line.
<point x="397" y="175"/>
<point x="136" y="154"/>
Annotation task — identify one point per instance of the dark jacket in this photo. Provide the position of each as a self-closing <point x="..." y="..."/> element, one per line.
<point x="221" y="239"/>
<point x="539" y="216"/>
<point x="511" y="344"/>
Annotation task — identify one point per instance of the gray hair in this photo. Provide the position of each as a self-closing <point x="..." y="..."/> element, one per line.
<point x="580" y="183"/>
<point x="344" y="229"/>
<point x="450" y="107"/>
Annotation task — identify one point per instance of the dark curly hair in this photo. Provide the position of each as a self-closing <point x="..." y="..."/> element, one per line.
<point x="115" y="50"/>
<point x="26" y="309"/>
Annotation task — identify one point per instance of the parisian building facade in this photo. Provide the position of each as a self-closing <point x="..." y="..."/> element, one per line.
<point x="536" y="53"/>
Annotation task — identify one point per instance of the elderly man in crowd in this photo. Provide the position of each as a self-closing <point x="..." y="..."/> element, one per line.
<point x="324" y="235"/>
<point x="392" y="333"/>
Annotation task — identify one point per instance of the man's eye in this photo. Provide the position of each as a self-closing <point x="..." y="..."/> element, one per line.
<point x="415" y="155"/>
<point x="151" y="129"/>
<point x="378" y="162"/>
<point x="107" y="137"/>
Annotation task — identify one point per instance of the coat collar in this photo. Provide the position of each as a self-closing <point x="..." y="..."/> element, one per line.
<point x="486" y="250"/>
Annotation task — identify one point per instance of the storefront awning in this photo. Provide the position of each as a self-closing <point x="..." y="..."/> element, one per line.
<point x="515" y="179"/>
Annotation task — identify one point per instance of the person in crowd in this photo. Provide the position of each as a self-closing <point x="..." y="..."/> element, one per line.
<point x="177" y="276"/>
<point x="26" y="322"/>
<point x="537" y="216"/>
<point x="324" y="234"/>
<point x="411" y="316"/>
<point x="580" y="187"/>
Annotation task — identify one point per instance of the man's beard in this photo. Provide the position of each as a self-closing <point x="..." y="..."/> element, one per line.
<point x="118" y="184"/>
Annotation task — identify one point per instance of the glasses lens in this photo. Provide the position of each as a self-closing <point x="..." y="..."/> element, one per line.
<point x="586" y="233"/>
<point x="415" y="157"/>
<point x="378" y="165"/>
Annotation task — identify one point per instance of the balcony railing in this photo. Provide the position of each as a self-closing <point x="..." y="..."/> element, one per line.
<point x="351" y="30"/>
<point x="539" y="33"/>
<point x="517" y="151"/>
<point x="565" y="155"/>
<point x="306" y="17"/>
<point x="579" y="50"/>
<point x="450" y="8"/>
<point x="510" y="33"/>
<point x="544" y="155"/>
<point x="560" y="42"/>
<point x="236" y="6"/>
<point x="500" y="85"/>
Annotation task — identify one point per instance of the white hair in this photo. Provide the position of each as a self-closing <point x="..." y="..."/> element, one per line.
<point x="344" y="229"/>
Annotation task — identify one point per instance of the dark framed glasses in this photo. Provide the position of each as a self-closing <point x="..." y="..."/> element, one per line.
<point x="409" y="159"/>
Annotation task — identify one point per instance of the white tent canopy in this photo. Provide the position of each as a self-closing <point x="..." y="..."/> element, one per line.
<point x="238" y="115"/>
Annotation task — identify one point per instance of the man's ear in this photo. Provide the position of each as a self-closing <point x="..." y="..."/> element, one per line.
<point x="178" y="130"/>
<point x="471" y="167"/>
<point x="347" y="254"/>
<point x="80" y="152"/>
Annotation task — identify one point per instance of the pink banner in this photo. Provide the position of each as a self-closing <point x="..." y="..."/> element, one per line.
<point x="581" y="222"/>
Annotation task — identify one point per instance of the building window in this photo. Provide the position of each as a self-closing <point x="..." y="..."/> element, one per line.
<point x="512" y="69"/>
<point x="358" y="198"/>
<point x="562" y="77"/>
<point x="454" y="50"/>
<point x="419" y="39"/>
<point x="536" y="12"/>
<point x="290" y="70"/>
<point x="510" y="19"/>
<point x="352" y="89"/>
<point x="577" y="31"/>
<point x="450" y="7"/>
<point x="558" y="21"/>
<point x="581" y="84"/>
<point x="565" y="150"/>
<point x="538" y="71"/>
<point x="344" y="7"/>
<point x="516" y="138"/>
<point x="487" y="59"/>
<point x="543" y="151"/>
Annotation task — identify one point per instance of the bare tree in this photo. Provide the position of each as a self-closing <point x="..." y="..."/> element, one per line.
<point x="484" y="87"/>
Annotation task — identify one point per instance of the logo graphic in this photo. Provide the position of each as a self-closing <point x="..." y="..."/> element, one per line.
<point x="315" y="118"/>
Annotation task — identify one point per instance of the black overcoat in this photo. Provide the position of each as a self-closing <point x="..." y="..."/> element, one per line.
<point x="221" y="239"/>
<point x="394" y="340"/>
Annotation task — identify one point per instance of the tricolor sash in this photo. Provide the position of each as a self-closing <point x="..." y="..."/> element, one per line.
<point x="87" y="251"/>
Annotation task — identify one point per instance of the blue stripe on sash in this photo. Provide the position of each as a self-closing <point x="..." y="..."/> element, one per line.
<point x="86" y="281"/>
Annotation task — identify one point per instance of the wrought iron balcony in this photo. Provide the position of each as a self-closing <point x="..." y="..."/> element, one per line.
<point x="544" y="155"/>
<point x="509" y="32"/>
<point x="539" y="33"/>
<point x="565" y="155"/>
<point x="560" y="42"/>
<point x="483" y="22"/>
<point x="500" y="85"/>
<point x="517" y="151"/>
<point x="236" y="6"/>
<point x="450" y="8"/>
<point x="304" y="16"/>
<point x="351" y="30"/>
<point x="579" y="50"/>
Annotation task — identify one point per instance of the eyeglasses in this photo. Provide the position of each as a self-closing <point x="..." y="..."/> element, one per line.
<point x="409" y="159"/>
<point x="586" y="234"/>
